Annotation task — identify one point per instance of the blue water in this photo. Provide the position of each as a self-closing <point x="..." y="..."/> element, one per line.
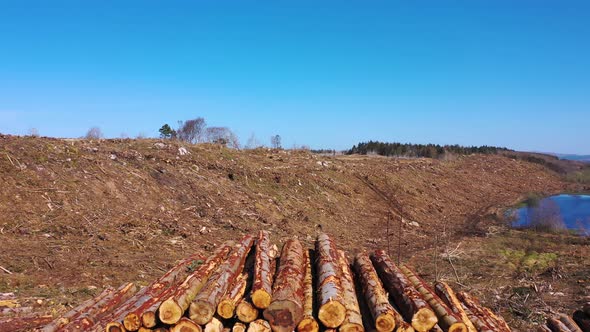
<point x="558" y="212"/>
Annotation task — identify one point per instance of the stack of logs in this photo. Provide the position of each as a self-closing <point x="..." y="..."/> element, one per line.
<point x="249" y="287"/>
<point x="578" y="322"/>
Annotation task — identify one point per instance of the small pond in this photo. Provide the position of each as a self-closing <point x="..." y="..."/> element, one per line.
<point x="555" y="213"/>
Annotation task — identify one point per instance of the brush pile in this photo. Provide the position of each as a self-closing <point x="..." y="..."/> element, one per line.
<point x="249" y="287"/>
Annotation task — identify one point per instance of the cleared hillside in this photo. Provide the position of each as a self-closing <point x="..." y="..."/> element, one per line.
<point x="79" y="213"/>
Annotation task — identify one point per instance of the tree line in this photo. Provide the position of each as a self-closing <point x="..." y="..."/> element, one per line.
<point x="419" y="150"/>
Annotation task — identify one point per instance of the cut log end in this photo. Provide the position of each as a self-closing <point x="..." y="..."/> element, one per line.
<point x="215" y="325"/>
<point x="351" y="327"/>
<point x="309" y="324"/>
<point x="170" y="312"/>
<point x="332" y="314"/>
<point x="226" y="309"/>
<point x="201" y="312"/>
<point x="283" y="316"/>
<point x="261" y="299"/>
<point x="148" y="319"/>
<point x="424" y="319"/>
<point x="458" y="327"/>
<point x="186" y="325"/>
<point x="385" y="323"/>
<point x="259" y="325"/>
<point x="115" y="327"/>
<point x="132" y="322"/>
<point x="246" y="312"/>
<point x="239" y="327"/>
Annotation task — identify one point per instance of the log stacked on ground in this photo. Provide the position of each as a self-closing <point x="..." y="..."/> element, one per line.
<point x="263" y="275"/>
<point x="381" y="310"/>
<point x="557" y="325"/>
<point x="172" y="309"/>
<point x="569" y="323"/>
<point x="205" y="303"/>
<point x="225" y="280"/>
<point x="214" y="325"/>
<point x="286" y="308"/>
<point x="239" y="327"/>
<point x="494" y="322"/>
<point x="259" y="325"/>
<point x="308" y="323"/>
<point x="107" y="304"/>
<point x="246" y="311"/>
<point x="169" y="280"/>
<point x="27" y="323"/>
<point x="185" y="324"/>
<point x="447" y="319"/>
<point x="353" y="321"/>
<point x="446" y="293"/>
<point x="331" y="303"/>
<point x="227" y="307"/>
<point x="77" y="311"/>
<point x="582" y="320"/>
<point x="411" y="303"/>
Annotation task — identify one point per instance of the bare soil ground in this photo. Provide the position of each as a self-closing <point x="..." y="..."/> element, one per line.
<point x="77" y="215"/>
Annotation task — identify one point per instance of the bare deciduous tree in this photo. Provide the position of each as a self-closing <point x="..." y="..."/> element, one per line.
<point x="93" y="133"/>
<point x="33" y="132"/>
<point x="223" y="136"/>
<point x="253" y="142"/>
<point x="275" y="141"/>
<point x="546" y="216"/>
<point x="191" y="131"/>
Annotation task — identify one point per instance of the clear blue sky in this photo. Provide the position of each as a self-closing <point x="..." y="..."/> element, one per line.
<point x="322" y="73"/>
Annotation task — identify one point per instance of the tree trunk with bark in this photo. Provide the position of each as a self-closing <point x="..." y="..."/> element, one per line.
<point x="259" y="325"/>
<point x="331" y="303"/>
<point x="411" y="303"/>
<point x="172" y="309"/>
<point x="205" y="303"/>
<point x="353" y="322"/>
<point x="308" y="323"/>
<point x="446" y="293"/>
<point x="382" y="312"/>
<point x="286" y="308"/>
<point x="227" y="307"/>
<point x="186" y="325"/>
<point x="263" y="275"/>
<point x="447" y="319"/>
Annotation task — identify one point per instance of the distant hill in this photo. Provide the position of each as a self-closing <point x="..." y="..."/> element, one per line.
<point x="577" y="157"/>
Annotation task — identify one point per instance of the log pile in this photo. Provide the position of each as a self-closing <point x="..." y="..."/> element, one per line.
<point x="578" y="322"/>
<point x="247" y="287"/>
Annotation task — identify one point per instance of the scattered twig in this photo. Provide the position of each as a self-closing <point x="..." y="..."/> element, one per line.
<point x="5" y="270"/>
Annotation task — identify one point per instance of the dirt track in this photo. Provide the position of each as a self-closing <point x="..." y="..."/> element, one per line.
<point x="79" y="213"/>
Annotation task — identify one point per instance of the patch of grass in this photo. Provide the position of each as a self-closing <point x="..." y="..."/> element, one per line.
<point x="529" y="261"/>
